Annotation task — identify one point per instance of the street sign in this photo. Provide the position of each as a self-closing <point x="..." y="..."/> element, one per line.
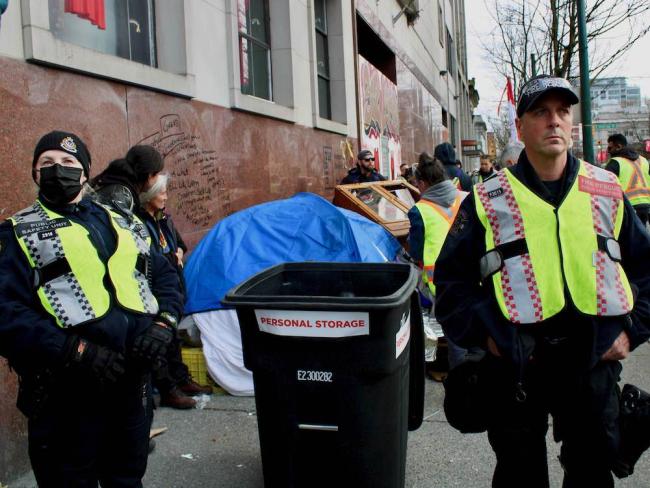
<point x="606" y="125"/>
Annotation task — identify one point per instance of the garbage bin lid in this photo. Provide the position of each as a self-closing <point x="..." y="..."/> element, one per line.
<point x="327" y="286"/>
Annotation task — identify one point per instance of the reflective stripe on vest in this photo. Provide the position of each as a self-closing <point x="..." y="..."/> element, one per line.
<point x="437" y="221"/>
<point x="457" y="183"/>
<point x="69" y="274"/>
<point x="634" y="179"/>
<point x="535" y="249"/>
<point x="128" y="266"/>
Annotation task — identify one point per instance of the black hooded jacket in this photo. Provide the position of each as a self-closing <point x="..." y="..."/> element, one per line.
<point x="446" y="154"/>
<point x="114" y="186"/>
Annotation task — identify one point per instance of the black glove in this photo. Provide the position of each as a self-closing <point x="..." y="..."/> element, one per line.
<point x="152" y="344"/>
<point x="104" y="363"/>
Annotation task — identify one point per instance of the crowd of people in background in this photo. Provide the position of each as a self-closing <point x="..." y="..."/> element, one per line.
<point x="92" y="291"/>
<point x="536" y="321"/>
<point x="446" y="155"/>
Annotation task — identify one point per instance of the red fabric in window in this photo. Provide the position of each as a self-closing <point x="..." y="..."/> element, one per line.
<point x="242" y="16"/>
<point x="92" y="10"/>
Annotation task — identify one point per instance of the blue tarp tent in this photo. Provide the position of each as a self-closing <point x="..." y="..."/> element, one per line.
<point x="305" y="227"/>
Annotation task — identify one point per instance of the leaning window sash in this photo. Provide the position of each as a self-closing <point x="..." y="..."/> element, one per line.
<point x="248" y="38"/>
<point x="322" y="60"/>
<point x="248" y="77"/>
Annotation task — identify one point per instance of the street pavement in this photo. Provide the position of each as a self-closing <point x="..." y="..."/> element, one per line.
<point x="217" y="446"/>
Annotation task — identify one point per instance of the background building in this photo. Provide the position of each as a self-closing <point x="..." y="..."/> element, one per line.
<point x="474" y="149"/>
<point x="247" y="100"/>
<point x="617" y="108"/>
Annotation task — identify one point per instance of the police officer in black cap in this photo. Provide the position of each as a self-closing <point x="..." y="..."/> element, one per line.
<point x="87" y="309"/>
<point x="546" y="267"/>
<point x="364" y="171"/>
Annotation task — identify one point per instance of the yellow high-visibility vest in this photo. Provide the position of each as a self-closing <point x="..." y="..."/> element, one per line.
<point x="437" y="221"/>
<point x="69" y="273"/>
<point x="535" y="250"/>
<point x="634" y="179"/>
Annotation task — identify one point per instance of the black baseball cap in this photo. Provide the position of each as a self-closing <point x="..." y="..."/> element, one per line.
<point x="539" y="86"/>
<point x="365" y="153"/>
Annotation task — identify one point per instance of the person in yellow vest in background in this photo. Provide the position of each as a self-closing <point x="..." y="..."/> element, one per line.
<point x="430" y="219"/>
<point x="485" y="171"/>
<point x="633" y="172"/>
<point x="546" y="267"/>
<point x="87" y="309"/>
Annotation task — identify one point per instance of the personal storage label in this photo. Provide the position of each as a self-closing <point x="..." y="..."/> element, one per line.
<point x="403" y="335"/>
<point x="303" y="323"/>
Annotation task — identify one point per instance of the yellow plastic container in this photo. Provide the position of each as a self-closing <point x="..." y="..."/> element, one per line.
<point x="195" y="360"/>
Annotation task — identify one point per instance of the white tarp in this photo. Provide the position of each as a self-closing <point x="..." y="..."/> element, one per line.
<point x="222" y="349"/>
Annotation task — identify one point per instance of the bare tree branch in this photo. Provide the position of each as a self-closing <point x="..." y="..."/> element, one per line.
<point x="549" y="29"/>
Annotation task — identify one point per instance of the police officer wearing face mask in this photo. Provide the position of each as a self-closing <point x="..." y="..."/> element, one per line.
<point x="87" y="310"/>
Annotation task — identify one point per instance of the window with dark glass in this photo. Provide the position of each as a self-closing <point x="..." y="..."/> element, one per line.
<point x="254" y="48"/>
<point x="124" y="28"/>
<point x="451" y="55"/>
<point x="322" y="60"/>
<point x="441" y="26"/>
<point x="452" y="130"/>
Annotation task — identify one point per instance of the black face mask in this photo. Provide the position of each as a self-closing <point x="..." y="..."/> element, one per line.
<point x="60" y="184"/>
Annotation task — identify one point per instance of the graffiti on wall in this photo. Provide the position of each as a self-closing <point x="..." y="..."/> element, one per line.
<point x="198" y="186"/>
<point x="379" y="118"/>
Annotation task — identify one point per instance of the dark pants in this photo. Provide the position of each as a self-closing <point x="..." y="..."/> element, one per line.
<point x="86" y="434"/>
<point x="584" y="407"/>
<point x="174" y="372"/>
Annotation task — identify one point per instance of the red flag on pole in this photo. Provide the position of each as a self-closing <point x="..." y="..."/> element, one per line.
<point x="510" y="95"/>
<point x="92" y="10"/>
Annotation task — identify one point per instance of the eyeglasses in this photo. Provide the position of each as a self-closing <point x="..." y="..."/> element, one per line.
<point x="369" y="159"/>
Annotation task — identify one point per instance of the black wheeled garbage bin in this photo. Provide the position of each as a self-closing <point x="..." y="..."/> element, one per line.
<point x="336" y="351"/>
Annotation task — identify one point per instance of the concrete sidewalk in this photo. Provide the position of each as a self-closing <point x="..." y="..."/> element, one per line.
<point x="218" y="446"/>
<point x="223" y="442"/>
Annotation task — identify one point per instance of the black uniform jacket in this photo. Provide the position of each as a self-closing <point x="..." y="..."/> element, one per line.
<point x="468" y="310"/>
<point x="356" y="176"/>
<point x="29" y="336"/>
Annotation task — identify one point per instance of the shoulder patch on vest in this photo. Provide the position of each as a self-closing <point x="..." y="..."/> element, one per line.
<point x="141" y="230"/>
<point x="602" y="188"/>
<point x="459" y="223"/>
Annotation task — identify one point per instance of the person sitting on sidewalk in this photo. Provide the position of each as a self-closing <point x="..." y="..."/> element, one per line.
<point x="173" y="379"/>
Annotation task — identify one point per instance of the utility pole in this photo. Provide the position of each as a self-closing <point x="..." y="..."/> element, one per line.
<point x="585" y="91"/>
<point x="533" y="65"/>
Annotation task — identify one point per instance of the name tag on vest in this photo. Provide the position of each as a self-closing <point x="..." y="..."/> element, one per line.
<point x="495" y="193"/>
<point x="601" y="188"/>
<point x="44" y="228"/>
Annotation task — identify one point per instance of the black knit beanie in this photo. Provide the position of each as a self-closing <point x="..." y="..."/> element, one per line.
<point x="145" y="161"/>
<point x="67" y="142"/>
